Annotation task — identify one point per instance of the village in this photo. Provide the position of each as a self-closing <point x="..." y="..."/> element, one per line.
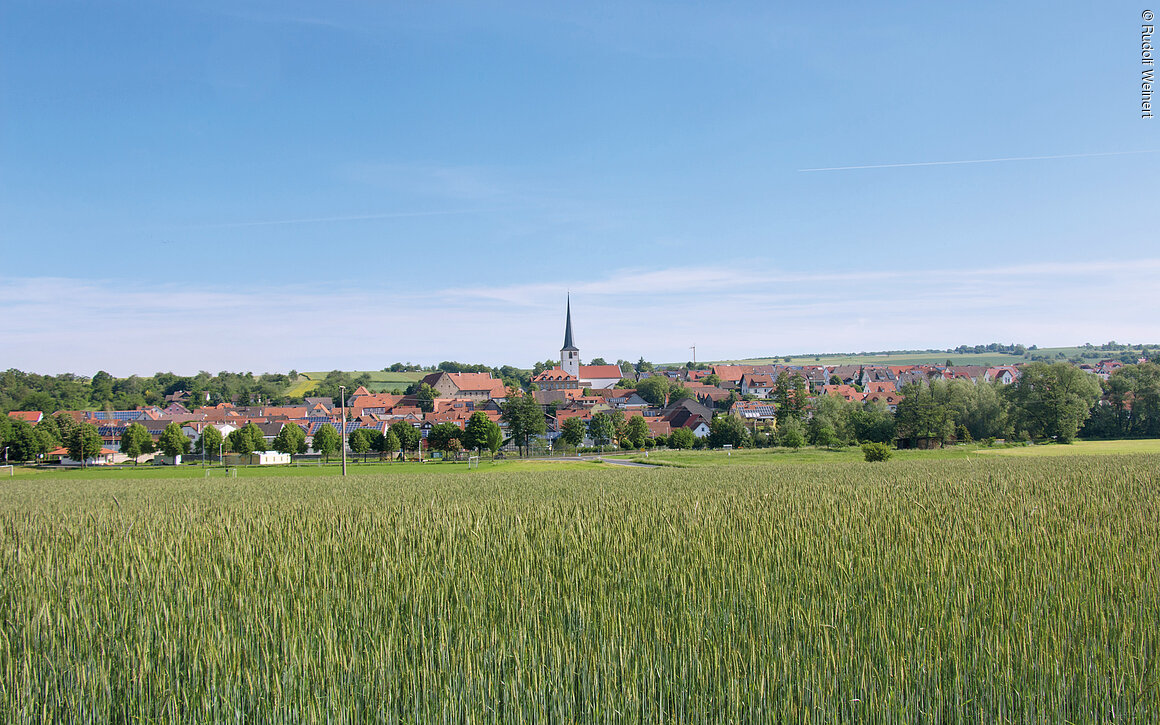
<point x="667" y="399"/>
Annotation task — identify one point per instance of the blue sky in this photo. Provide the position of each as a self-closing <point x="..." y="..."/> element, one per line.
<point x="266" y="186"/>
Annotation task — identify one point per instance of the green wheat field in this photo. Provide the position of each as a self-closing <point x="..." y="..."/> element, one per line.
<point x="915" y="591"/>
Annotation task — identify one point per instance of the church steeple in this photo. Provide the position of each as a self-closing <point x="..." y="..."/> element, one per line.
<point x="568" y="329"/>
<point x="569" y="354"/>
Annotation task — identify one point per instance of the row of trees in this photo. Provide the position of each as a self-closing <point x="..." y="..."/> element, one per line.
<point x="50" y="393"/>
<point x="23" y="441"/>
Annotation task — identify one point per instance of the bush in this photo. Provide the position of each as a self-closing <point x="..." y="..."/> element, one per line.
<point x="625" y="444"/>
<point x="682" y="438"/>
<point x="876" y="452"/>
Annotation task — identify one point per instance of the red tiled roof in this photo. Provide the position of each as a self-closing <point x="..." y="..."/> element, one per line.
<point x="731" y="372"/>
<point x="595" y="372"/>
<point x="658" y="427"/>
<point x="842" y="391"/>
<point x="476" y="381"/>
<point x="555" y="373"/>
<point x="30" y="416"/>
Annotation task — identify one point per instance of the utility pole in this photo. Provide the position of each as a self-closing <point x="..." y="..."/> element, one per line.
<point x="342" y="443"/>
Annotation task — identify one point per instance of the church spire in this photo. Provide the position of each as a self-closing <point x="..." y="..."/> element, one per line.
<point x="570" y="354"/>
<point x="568" y="345"/>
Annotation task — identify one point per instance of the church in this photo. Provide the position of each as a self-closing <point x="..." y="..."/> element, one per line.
<point x="570" y="374"/>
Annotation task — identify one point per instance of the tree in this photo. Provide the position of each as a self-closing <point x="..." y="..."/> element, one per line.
<point x="1130" y="404"/>
<point x="426" y="397"/>
<point x="654" y="389"/>
<point x="254" y="436"/>
<point x="789" y="434"/>
<point x="636" y="431"/>
<point x="524" y="419"/>
<point x="727" y="430"/>
<point x="475" y="431"/>
<point x="172" y="441"/>
<point x="22" y="441"/>
<point x="441" y="435"/>
<point x="681" y="439"/>
<point x="572" y="431"/>
<point x="601" y="428"/>
<point x="1053" y="400"/>
<point x="211" y="440"/>
<point x="872" y="422"/>
<point x="135" y="441"/>
<point x="494" y="438"/>
<point x="790" y="397"/>
<point x="409" y="438"/>
<point x="830" y="424"/>
<point x="597" y="361"/>
<point x="85" y="442"/>
<point x="711" y="379"/>
<point x="48" y="430"/>
<point x="679" y="392"/>
<point x="326" y="440"/>
<point x="45" y="438"/>
<point x="924" y="416"/>
<point x="291" y="439"/>
<point x="357" y="441"/>
<point x="66" y="424"/>
<point x="618" y="420"/>
<point x="389" y="442"/>
<point x="984" y="412"/>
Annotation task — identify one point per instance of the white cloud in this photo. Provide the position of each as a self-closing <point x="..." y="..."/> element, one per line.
<point x="53" y="325"/>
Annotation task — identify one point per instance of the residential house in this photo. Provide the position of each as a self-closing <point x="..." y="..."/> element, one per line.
<point x="846" y="374"/>
<point x="477" y="386"/>
<point x="760" y="411"/>
<point x="889" y="399"/>
<point x="757" y="385"/>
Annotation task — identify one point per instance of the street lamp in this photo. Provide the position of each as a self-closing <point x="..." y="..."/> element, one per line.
<point x="342" y="442"/>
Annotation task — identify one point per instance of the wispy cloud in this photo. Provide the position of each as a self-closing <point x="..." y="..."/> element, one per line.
<point x="343" y="218"/>
<point x="56" y="325"/>
<point x="978" y="161"/>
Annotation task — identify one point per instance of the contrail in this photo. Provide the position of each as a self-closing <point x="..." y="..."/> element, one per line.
<point x="349" y="218"/>
<point x="978" y="161"/>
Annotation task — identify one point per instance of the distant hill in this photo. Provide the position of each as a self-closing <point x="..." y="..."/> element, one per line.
<point x="934" y="357"/>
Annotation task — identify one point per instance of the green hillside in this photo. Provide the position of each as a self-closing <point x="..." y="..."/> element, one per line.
<point x="380" y="381"/>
